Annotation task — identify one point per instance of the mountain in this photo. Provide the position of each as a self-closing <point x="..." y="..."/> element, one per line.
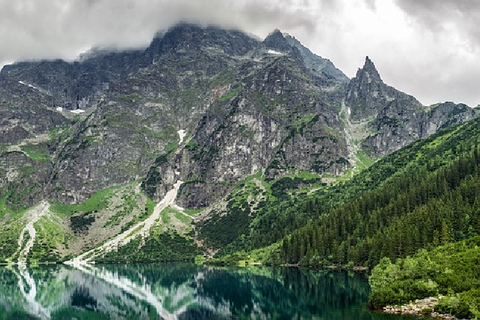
<point x="228" y="130"/>
<point x="392" y="118"/>
<point x="419" y="197"/>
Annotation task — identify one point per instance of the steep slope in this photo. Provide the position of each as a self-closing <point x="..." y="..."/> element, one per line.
<point x="390" y="118"/>
<point x="422" y="195"/>
<point x="272" y="120"/>
<point x="321" y="68"/>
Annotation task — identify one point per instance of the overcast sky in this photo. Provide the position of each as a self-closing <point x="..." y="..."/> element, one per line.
<point x="427" y="48"/>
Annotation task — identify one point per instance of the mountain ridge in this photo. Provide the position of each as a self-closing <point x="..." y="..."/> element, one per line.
<point x="209" y="107"/>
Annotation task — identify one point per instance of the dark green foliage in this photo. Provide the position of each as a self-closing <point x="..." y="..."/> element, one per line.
<point x="8" y="241"/>
<point x="43" y="252"/>
<point x="420" y="197"/>
<point x="160" y="247"/>
<point x="402" y="292"/>
<point x="229" y="260"/>
<point x="149" y="185"/>
<point x="452" y="270"/>
<point x="280" y="186"/>
<point x="223" y="229"/>
<point x="79" y="223"/>
<point x="464" y="305"/>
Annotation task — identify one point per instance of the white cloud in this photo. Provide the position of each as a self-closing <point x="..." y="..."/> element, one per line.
<point x="425" y="48"/>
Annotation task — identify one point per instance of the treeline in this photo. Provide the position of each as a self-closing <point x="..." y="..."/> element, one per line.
<point x="432" y="202"/>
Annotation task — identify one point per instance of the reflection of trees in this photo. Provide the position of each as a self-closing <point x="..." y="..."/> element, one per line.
<point x="285" y="292"/>
<point x="181" y="291"/>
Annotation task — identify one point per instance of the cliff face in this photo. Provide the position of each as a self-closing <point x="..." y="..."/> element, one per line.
<point x="203" y="105"/>
<point x="395" y="119"/>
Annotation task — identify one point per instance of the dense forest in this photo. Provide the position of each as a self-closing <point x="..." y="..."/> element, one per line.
<point x="432" y="200"/>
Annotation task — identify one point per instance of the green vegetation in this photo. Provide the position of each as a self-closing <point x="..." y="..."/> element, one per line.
<point x="305" y="120"/>
<point x="193" y="212"/>
<point x="17" y="197"/>
<point x="421" y="197"/>
<point x="224" y="77"/>
<point x="427" y="204"/>
<point x="450" y="270"/>
<point x="3" y="204"/>
<point x="157" y="247"/>
<point x="191" y="145"/>
<point x="37" y="153"/>
<point x="165" y="215"/>
<point x="229" y="95"/>
<point x="50" y="237"/>
<point x="183" y="218"/>
<point x="125" y="209"/>
<point x="267" y="255"/>
<point x="364" y="160"/>
<point x="96" y="202"/>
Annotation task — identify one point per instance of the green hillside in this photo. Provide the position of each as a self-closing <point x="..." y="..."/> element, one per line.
<point x="422" y="196"/>
<point x="450" y="270"/>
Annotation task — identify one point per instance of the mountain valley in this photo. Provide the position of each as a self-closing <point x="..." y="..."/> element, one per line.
<point x="255" y="139"/>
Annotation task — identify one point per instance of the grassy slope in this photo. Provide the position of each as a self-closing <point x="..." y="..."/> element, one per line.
<point x="70" y="229"/>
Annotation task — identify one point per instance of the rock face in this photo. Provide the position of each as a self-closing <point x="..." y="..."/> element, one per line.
<point x="70" y="129"/>
<point x="394" y="118"/>
<point x="367" y="94"/>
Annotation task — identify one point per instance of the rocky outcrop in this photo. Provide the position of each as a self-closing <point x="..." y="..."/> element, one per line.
<point x="367" y="95"/>
<point x="274" y="121"/>
<point x="396" y="126"/>
<point x="421" y="307"/>
<point x="394" y="118"/>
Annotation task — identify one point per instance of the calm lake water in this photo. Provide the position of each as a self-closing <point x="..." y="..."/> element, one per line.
<point x="182" y="291"/>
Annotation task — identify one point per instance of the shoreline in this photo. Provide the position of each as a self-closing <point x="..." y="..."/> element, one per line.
<point x="420" y="307"/>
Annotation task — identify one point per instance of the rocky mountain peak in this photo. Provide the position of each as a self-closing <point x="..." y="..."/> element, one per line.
<point x="369" y="71"/>
<point x="276" y="40"/>
<point x="319" y="67"/>
<point x="187" y="37"/>
<point x="367" y="94"/>
<point x="245" y="105"/>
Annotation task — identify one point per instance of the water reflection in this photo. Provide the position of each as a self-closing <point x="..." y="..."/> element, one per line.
<point x="181" y="291"/>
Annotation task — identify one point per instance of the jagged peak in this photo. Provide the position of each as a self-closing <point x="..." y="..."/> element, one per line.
<point x="369" y="69"/>
<point x="277" y="33"/>
<point x="277" y="40"/>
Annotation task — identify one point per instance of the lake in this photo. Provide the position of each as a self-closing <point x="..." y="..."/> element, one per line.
<point x="182" y="291"/>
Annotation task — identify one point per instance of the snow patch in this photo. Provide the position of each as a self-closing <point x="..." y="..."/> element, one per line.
<point x="181" y="134"/>
<point x="78" y="111"/>
<point x="28" y="85"/>
<point x="277" y="53"/>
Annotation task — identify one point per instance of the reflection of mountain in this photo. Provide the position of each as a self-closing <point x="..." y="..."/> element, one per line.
<point x="179" y="291"/>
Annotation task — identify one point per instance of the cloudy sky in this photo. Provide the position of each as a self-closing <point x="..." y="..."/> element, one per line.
<point x="428" y="48"/>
